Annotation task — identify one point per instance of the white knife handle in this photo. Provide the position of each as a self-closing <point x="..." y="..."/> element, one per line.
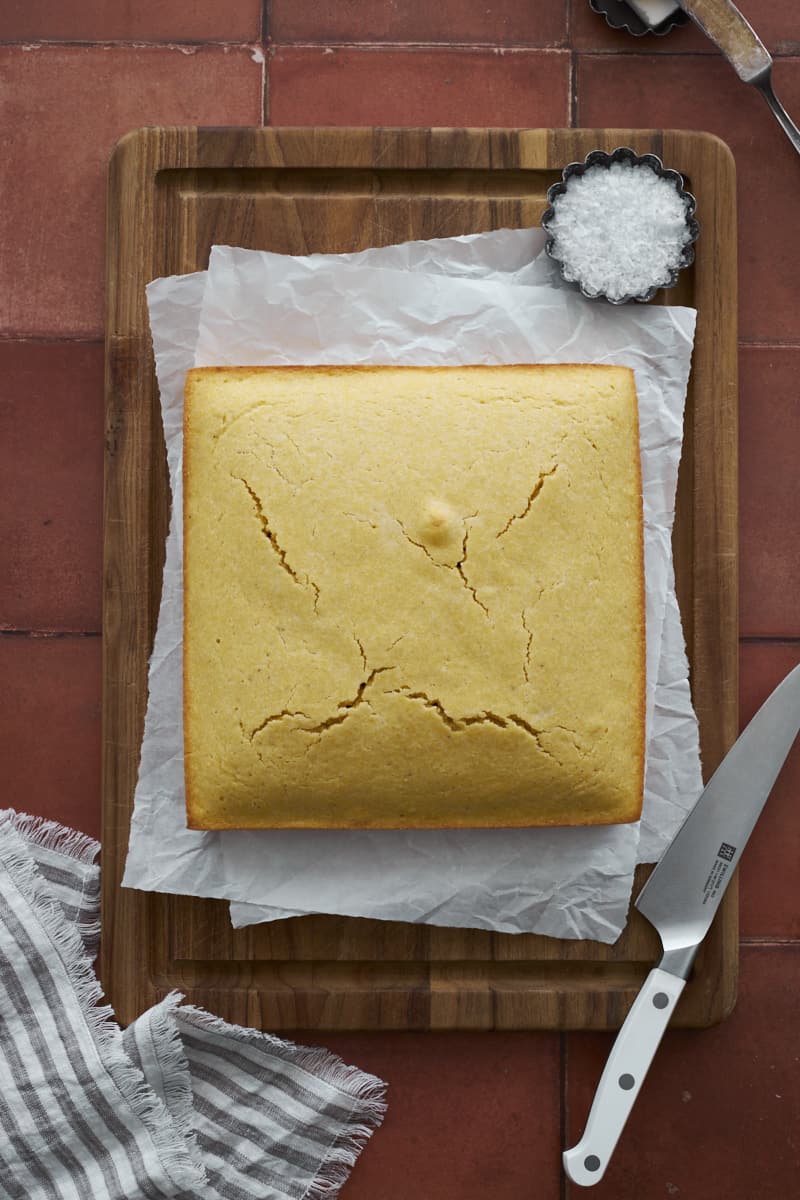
<point x="627" y="1065"/>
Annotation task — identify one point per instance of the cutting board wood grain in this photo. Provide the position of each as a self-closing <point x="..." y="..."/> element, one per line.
<point x="172" y="194"/>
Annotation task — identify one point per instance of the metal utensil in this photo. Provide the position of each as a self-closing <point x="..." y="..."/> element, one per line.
<point x="680" y="899"/>
<point x="721" y="21"/>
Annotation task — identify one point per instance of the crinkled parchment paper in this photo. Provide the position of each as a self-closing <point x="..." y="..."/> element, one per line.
<point x="484" y="298"/>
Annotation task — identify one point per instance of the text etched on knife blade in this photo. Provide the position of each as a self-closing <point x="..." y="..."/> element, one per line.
<point x="716" y="877"/>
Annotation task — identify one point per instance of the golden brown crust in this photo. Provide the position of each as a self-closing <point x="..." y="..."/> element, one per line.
<point x="187" y="590"/>
<point x="195" y="374"/>
<point x="636" y="808"/>
<point x="431" y="717"/>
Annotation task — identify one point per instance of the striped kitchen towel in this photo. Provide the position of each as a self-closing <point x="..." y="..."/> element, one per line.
<point x="181" y="1104"/>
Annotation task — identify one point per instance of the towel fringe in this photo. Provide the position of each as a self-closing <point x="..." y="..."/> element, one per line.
<point x="166" y="1038"/>
<point x="171" y="1125"/>
<point x="52" y="835"/>
<point x="335" y="1170"/>
<point x="90" y="932"/>
<point x="321" y="1063"/>
<point x="183" y="1171"/>
<point x="367" y="1092"/>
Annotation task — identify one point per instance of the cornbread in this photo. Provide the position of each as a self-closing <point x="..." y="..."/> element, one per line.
<point x="413" y="597"/>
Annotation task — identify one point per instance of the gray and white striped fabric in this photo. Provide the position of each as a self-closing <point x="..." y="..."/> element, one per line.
<point x="67" y="861"/>
<point x="181" y="1104"/>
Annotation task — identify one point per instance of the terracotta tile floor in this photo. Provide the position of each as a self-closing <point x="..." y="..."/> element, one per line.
<point x="51" y="485"/>
<point x="502" y="23"/>
<point x="63" y="107"/>
<point x="472" y="1116"/>
<point x="145" y="21"/>
<point x="314" y="85"/>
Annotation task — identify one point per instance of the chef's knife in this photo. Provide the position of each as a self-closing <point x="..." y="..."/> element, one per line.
<point x="680" y="899"/>
<point x="721" y="21"/>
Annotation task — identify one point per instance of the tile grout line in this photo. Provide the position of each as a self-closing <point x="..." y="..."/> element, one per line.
<point x="573" y="84"/>
<point x="563" y="1125"/>
<point x="501" y="51"/>
<point x="605" y="52"/>
<point x="754" y="343"/>
<point x="573" y="67"/>
<point x="51" y="339"/>
<point x="29" y="44"/>
<point x="144" y="44"/>
<point x="516" y="48"/>
<point x="777" y="942"/>
<point x="775" y="639"/>
<point x="571" y="98"/>
<point x="266" y="41"/>
<point x="50" y="633"/>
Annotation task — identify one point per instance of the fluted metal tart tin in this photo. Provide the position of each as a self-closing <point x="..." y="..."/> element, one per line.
<point x="600" y="158"/>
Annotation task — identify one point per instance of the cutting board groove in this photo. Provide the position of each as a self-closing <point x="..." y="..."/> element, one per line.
<point x="172" y="194"/>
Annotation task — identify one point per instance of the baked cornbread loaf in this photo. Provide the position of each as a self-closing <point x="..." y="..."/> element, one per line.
<point x="412" y="597"/>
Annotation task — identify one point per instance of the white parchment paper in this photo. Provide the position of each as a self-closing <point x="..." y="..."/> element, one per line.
<point x="492" y="298"/>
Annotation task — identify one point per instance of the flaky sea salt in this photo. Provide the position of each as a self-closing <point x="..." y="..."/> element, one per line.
<point x="619" y="230"/>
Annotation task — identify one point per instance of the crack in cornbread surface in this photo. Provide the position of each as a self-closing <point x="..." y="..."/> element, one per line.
<point x="413" y="597"/>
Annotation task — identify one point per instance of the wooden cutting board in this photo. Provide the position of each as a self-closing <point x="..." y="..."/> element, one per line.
<point x="172" y="194"/>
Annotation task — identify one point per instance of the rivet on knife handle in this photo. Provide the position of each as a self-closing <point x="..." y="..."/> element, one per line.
<point x="627" y="1065"/>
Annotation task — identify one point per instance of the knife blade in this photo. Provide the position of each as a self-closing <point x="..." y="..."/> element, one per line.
<point x="680" y="899"/>
<point x="721" y="21"/>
